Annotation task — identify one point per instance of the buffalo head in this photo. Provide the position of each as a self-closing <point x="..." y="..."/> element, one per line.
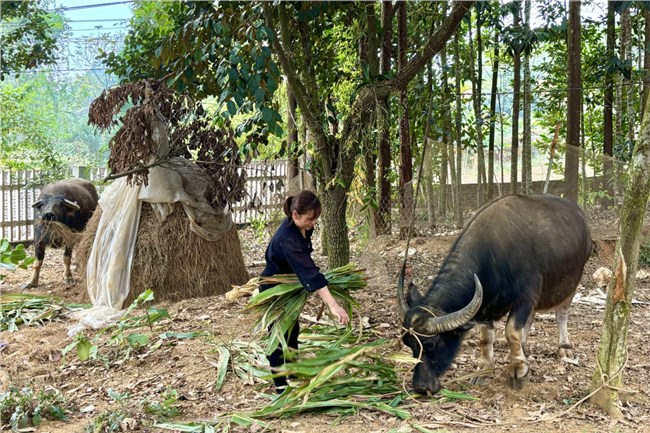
<point x="434" y="336"/>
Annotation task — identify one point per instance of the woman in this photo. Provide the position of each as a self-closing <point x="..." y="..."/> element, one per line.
<point x="290" y="252"/>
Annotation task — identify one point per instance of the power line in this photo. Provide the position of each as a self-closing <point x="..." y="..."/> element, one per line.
<point x="90" y="6"/>
<point x="98" y="20"/>
<point x="100" y="29"/>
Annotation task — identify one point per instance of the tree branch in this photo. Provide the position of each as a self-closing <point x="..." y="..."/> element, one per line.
<point x="380" y="90"/>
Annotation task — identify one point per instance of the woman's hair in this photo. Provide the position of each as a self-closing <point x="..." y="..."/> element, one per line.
<point x="303" y="202"/>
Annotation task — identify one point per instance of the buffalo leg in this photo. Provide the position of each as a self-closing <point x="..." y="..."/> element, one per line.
<point x="486" y="346"/>
<point x="529" y="323"/>
<point x="515" y="331"/>
<point x="39" y="252"/>
<point x="565" y="349"/>
<point x="67" y="259"/>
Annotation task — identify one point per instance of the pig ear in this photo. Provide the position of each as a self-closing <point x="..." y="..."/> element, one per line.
<point x="38" y="204"/>
<point x="71" y="204"/>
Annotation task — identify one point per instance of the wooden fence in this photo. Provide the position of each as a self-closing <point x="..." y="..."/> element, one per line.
<point x="265" y="186"/>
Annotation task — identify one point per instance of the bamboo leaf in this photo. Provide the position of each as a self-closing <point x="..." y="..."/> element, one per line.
<point x="224" y="358"/>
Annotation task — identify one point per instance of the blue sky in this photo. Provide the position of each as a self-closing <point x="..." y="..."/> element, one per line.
<point x="86" y="15"/>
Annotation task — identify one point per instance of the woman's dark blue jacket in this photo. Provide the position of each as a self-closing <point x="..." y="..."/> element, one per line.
<point x="290" y="253"/>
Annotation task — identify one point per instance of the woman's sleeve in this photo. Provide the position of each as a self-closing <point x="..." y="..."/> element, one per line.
<point x="303" y="265"/>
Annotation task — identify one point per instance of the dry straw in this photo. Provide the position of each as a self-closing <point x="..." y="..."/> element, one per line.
<point x="173" y="261"/>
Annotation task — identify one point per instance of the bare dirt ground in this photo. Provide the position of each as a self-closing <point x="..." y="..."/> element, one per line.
<point x="32" y="356"/>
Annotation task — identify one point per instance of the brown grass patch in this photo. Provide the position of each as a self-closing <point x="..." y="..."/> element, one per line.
<point x="172" y="260"/>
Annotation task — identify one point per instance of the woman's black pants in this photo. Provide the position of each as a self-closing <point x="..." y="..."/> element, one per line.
<point x="276" y="358"/>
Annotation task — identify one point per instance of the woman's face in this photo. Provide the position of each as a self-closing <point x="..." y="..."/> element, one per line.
<point x="306" y="221"/>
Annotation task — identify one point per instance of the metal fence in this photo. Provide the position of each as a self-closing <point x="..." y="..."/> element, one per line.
<point x="265" y="187"/>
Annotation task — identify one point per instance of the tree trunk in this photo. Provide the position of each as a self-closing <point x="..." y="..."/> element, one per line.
<point x="458" y="205"/>
<point x="516" y="95"/>
<point x="477" y="80"/>
<point x="526" y="157"/>
<point x="445" y="158"/>
<point x="608" y="117"/>
<point x="293" y="170"/>
<point x="406" y="163"/>
<point x="646" y="60"/>
<point x="493" y="114"/>
<point x="573" y="104"/>
<point x="626" y="48"/>
<point x="612" y="352"/>
<point x="383" y="200"/>
<point x="428" y="152"/>
<point x="335" y="202"/>
<point x="371" y="56"/>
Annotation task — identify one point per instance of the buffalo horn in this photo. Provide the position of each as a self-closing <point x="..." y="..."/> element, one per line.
<point x="437" y="325"/>
<point x="403" y="307"/>
<point x="71" y="204"/>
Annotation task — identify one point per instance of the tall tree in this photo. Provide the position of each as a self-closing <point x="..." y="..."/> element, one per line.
<point x="458" y="134"/>
<point x="608" y="115"/>
<point x="446" y="151"/>
<point x="526" y="151"/>
<point x="646" y="56"/>
<point x="383" y="171"/>
<point x="516" y="95"/>
<point x="493" y="114"/>
<point x="476" y="73"/>
<point x="612" y="352"/>
<point x="405" y="158"/>
<point x="573" y="103"/>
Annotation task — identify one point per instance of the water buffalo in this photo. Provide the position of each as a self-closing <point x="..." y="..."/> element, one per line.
<point x="70" y="202"/>
<point x="517" y="255"/>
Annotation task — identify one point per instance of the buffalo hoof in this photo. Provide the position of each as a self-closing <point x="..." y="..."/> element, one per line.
<point x="565" y="351"/>
<point x="518" y="376"/>
<point x="29" y="285"/>
<point x="69" y="281"/>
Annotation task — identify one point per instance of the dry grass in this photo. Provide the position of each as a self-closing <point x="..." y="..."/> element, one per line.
<point x="173" y="261"/>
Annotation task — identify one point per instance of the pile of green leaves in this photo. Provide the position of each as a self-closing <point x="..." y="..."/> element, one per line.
<point x="334" y="373"/>
<point x="280" y="306"/>
<point x="18" y="308"/>
<point x="245" y="359"/>
<point x="24" y="408"/>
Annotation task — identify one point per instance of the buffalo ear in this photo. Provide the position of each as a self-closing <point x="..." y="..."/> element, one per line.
<point x="38" y="204"/>
<point x="413" y="297"/>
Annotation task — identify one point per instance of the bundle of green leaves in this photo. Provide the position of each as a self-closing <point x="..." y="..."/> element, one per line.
<point x="279" y="307"/>
<point x="18" y="308"/>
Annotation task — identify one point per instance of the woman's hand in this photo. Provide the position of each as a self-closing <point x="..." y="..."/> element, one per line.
<point x="340" y="313"/>
<point x="336" y="310"/>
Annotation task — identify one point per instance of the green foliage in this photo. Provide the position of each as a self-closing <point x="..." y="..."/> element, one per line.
<point x="29" y="35"/>
<point x="130" y="414"/>
<point x="206" y="49"/>
<point x="25" y="408"/>
<point x="18" y="308"/>
<point x="43" y="123"/>
<point x="118" y="333"/>
<point x="10" y="258"/>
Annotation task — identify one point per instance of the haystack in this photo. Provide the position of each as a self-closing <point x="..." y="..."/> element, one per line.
<point x="172" y="260"/>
